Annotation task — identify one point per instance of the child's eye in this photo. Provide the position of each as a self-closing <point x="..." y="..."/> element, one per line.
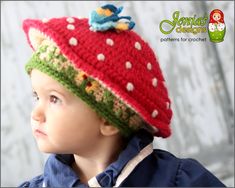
<point x="35" y="96"/>
<point x="54" y="99"/>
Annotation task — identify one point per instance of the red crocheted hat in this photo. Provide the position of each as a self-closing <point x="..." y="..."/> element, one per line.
<point x="113" y="57"/>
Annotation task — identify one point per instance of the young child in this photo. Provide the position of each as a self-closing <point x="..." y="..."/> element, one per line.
<point x="101" y="98"/>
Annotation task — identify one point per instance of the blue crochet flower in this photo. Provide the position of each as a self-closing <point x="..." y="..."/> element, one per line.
<point x="106" y="17"/>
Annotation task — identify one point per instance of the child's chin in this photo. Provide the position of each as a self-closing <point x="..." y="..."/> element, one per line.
<point x="45" y="148"/>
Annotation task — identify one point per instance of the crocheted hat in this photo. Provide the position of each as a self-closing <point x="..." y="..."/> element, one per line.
<point x="106" y="64"/>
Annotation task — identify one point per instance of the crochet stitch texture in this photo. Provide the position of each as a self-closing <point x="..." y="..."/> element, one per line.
<point x="121" y="62"/>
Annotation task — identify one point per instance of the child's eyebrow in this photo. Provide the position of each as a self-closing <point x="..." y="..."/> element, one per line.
<point x="57" y="91"/>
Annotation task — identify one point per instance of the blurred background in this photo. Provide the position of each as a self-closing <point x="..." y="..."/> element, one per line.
<point x="199" y="75"/>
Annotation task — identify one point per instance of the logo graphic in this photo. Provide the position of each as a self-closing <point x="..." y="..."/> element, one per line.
<point x="184" y="24"/>
<point x="216" y="26"/>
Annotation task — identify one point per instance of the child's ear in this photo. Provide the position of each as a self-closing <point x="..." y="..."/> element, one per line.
<point x="108" y="129"/>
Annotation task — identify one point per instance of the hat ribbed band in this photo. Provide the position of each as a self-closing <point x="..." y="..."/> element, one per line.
<point x="50" y="61"/>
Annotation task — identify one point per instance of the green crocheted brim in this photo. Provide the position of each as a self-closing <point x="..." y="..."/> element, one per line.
<point x="49" y="60"/>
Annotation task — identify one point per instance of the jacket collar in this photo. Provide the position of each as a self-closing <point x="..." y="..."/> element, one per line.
<point x="58" y="171"/>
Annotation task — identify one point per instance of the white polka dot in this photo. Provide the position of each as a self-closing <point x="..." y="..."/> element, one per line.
<point x="128" y="65"/>
<point x="101" y="57"/>
<point x="137" y="46"/>
<point x="129" y="86"/>
<point x="92" y="29"/>
<point x="154" y="82"/>
<point x="73" y="41"/>
<point x="45" y="20"/>
<point x="70" y="27"/>
<point x="167" y="105"/>
<point x="164" y="84"/>
<point x="149" y="66"/>
<point x="154" y="113"/>
<point x="70" y="20"/>
<point x="109" y="42"/>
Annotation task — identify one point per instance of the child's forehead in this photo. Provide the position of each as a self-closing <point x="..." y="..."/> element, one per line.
<point x="42" y="81"/>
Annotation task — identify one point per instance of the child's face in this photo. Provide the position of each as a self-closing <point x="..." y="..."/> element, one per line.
<point x="69" y="125"/>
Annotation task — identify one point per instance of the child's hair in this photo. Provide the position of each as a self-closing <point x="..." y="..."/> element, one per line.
<point x="107" y="65"/>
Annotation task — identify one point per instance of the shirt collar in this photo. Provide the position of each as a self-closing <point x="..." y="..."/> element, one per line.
<point x="135" y="145"/>
<point x="58" y="171"/>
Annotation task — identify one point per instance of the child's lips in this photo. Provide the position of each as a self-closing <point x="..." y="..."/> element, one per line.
<point x="39" y="132"/>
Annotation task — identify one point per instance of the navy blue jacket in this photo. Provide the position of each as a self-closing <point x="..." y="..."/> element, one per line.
<point x="138" y="165"/>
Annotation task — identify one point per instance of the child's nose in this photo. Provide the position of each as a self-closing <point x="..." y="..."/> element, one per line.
<point x="37" y="114"/>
